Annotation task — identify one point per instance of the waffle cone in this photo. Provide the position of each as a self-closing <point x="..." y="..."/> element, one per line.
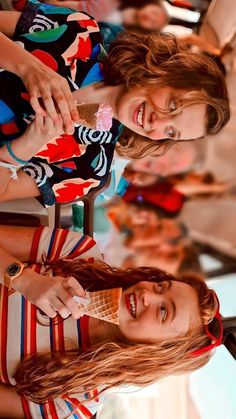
<point x="87" y="114"/>
<point x="104" y="305"/>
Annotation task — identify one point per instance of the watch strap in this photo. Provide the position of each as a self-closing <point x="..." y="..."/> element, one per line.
<point x="14" y="270"/>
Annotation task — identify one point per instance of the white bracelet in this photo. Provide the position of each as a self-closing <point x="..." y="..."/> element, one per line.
<point x="12" y="168"/>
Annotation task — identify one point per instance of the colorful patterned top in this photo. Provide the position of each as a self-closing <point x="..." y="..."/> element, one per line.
<point x="22" y="332"/>
<point x="69" y="42"/>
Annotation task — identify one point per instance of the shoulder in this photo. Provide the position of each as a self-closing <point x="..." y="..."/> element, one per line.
<point x="51" y="244"/>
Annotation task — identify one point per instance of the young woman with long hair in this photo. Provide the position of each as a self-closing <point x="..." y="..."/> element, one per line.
<point x="53" y="366"/>
<point x="157" y="90"/>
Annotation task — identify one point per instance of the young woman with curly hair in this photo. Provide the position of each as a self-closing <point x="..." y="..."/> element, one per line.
<point x="158" y="91"/>
<point x="53" y="366"/>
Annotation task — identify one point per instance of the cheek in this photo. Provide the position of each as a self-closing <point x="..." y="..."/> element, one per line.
<point x="139" y="332"/>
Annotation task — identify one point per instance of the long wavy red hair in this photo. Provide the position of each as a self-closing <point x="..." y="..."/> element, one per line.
<point x="46" y="376"/>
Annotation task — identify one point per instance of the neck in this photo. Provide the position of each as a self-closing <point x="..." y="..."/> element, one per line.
<point x="99" y="93"/>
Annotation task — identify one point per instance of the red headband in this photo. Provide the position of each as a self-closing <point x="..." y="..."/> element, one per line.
<point x="216" y="340"/>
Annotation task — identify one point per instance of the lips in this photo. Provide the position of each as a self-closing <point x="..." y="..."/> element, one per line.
<point x="131" y="304"/>
<point x="138" y="117"/>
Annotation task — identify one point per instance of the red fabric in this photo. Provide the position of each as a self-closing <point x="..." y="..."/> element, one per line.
<point x="182" y="3"/>
<point x="163" y="195"/>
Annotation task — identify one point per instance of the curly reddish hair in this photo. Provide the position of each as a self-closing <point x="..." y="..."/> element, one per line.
<point x="145" y="61"/>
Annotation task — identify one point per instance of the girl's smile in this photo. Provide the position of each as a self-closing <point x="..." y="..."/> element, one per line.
<point x="131" y="304"/>
<point x="139" y="110"/>
<point x="138" y="117"/>
<point x="152" y="312"/>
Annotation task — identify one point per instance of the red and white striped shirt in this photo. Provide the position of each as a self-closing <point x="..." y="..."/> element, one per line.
<point x="23" y="331"/>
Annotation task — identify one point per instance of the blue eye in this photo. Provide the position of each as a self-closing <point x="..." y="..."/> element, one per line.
<point x="163" y="311"/>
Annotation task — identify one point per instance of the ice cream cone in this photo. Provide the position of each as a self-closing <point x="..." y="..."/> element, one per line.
<point x="87" y="115"/>
<point x="103" y="305"/>
<point x="96" y="116"/>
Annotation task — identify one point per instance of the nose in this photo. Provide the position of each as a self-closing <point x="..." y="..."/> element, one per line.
<point x="148" y="298"/>
<point x="157" y="126"/>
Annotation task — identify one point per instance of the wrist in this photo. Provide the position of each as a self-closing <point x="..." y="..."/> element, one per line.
<point x="22" y="282"/>
<point x="25" y="66"/>
<point x="23" y="148"/>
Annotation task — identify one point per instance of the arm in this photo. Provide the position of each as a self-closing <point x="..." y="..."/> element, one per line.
<point x="50" y="295"/>
<point x="8" y="21"/>
<point x="39" y="132"/>
<point x="197" y="40"/>
<point x="10" y="406"/>
<point x="17" y="241"/>
<point x="23" y="187"/>
<point x="40" y="80"/>
<point x="190" y="189"/>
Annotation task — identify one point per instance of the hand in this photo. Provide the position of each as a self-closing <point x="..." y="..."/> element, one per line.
<point x="44" y="84"/>
<point x="52" y="295"/>
<point x="43" y="129"/>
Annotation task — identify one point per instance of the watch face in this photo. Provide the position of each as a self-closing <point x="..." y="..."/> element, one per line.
<point x="13" y="269"/>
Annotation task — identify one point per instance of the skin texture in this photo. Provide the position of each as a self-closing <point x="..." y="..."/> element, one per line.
<point x="188" y="124"/>
<point x="163" y="311"/>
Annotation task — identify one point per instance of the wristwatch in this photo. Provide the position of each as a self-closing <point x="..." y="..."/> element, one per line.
<point x="14" y="270"/>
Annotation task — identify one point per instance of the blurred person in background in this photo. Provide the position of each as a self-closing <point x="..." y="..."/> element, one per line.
<point x="115" y="16"/>
<point x="177" y="257"/>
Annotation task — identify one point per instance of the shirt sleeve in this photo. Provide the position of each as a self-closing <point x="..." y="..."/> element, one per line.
<point x="52" y="244"/>
<point x="70" y="179"/>
<point x="60" y="408"/>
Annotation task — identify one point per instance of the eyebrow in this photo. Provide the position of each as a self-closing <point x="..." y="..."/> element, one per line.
<point x="173" y="306"/>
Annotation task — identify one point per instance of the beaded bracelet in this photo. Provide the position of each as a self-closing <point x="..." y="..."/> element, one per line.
<point x="12" y="154"/>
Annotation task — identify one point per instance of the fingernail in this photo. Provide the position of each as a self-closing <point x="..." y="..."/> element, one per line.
<point x="81" y="300"/>
<point x="66" y="314"/>
<point x="75" y="116"/>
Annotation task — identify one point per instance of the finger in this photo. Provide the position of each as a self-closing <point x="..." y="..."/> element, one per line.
<point x="34" y="101"/>
<point x="71" y="305"/>
<point x="48" y="123"/>
<point x="59" y="125"/>
<point x="48" y="310"/>
<point x="74" y="287"/>
<point x="39" y="120"/>
<point x="50" y="106"/>
<point x="64" y="110"/>
<point x="71" y="103"/>
<point x="60" y="307"/>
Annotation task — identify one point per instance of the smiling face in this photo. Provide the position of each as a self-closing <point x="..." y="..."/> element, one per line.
<point x="138" y="110"/>
<point x="152" y="312"/>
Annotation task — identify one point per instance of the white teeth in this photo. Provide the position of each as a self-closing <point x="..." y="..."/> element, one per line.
<point x="132" y="304"/>
<point x="140" y="115"/>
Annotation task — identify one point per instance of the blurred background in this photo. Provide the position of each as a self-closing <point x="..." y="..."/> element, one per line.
<point x="176" y="211"/>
